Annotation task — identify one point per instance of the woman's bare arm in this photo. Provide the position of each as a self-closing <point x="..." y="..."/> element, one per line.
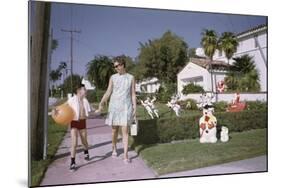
<point x="107" y="93"/>
<point x="134" y="98"/>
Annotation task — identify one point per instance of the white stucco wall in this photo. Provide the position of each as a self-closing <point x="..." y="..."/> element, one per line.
<point x="228" y="97"/>
<point x="190" y="71"/>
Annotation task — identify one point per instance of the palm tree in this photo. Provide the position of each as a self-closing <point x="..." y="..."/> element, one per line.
<point x="243" y="64"/>
<point x="228" y="43"/>
<point x="244" y="76"/>
<point x="99" y="70"/>
<point x="209" y="42"/>
<point x="54" y="44"/>
<point x="54" y="76"/>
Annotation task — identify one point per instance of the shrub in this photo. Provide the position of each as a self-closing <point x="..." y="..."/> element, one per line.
<point x="95" y="96"/>
<point x="192" y="88"/>
<point x="178" y="128"/>
<point x="191" y="102"/>
<point x="256" y="105"/>
<point x="220" y="106"/>
<point x="147" y="132"/>
<point x="166" y="90"/>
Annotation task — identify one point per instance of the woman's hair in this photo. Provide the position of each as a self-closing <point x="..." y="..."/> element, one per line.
<point x="120" y="59"/>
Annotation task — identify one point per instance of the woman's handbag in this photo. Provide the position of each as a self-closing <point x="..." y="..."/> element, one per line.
<point x="134" y="128"/>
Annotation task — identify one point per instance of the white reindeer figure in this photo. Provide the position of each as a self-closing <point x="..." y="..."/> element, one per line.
<point x="174" y="106"/>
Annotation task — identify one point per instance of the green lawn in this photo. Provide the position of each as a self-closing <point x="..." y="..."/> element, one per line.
<point x="55" y="136"/>
<point x="190" y="154"/>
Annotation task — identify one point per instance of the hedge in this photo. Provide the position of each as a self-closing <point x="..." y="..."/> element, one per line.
<point x="95" y="96"/>
<point x="170" y="129"/>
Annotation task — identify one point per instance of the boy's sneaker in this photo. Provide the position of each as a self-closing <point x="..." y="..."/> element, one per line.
<point x="87" y="157"/>
<point x="72" y="167"/>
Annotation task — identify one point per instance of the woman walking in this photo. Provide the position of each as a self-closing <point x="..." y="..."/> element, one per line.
<point x="122" y="105"/>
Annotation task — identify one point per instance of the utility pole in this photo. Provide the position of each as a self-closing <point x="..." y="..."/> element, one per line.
<point x="71" y="53"/>
<point x="49" y="59"/>
<point x="38" y="65"/>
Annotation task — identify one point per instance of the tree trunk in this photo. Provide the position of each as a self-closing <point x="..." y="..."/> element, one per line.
<point x="211" y="71"/>
<point x="38" y="74"/>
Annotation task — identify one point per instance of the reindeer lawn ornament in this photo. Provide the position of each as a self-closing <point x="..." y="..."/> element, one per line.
<point x="150" y="107"/>
<point x="206" y="100"/>
<point x="174" y="106"/>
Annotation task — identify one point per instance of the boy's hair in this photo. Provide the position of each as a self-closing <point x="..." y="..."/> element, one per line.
<point x="78" y="87"/>
<point x="120" y="59"/>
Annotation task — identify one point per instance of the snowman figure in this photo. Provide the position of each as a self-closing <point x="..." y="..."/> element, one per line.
<point x="224" y="134"/>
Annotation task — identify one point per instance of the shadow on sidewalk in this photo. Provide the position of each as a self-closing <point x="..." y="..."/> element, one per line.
<point x="91" y="162"/>
<point x="81" y="149"/>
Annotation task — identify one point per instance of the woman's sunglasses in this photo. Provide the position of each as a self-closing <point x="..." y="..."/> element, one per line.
<point x="115" y="66"/>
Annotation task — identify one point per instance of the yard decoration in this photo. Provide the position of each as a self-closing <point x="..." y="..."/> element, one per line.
<point x="208" y="126"/>
<point x="150" y="107"/>
<point x="224" y="134"/>
<point x="206" y="101"/>
<point x="221" y="86"/>
<point x="174" y="105"/>
<point x="236" y="105"/>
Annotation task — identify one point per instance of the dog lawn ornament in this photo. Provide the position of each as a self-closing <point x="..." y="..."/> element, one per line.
<point x="147" y="108"/>
<point x="174" y="106"/>
<point x="208" y="129"/>
<point x="152" y="106"/>
<point x="224" y="134"/>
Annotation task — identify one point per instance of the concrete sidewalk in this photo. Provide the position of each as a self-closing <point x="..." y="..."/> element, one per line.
<point x="101" y="167"/>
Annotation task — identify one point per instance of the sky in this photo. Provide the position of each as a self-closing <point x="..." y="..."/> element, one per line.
<point x="114" y="31"/>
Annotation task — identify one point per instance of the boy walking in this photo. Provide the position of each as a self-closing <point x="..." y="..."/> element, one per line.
<point x="81" y="107"/>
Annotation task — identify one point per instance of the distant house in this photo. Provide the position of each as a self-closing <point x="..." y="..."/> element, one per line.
<point x="197" y="71"/>
<point x="87" y="84"/>
<point x="254" y="43"/>
<point x="150" y="85"/>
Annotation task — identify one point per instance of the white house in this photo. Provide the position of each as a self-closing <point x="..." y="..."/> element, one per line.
<point x="150" y="85"/>
<point x="254" y="43"/>
<point x="197" y="71"/>
<point x="87" y="84"/>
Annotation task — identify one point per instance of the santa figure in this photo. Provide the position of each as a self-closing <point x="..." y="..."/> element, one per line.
<point x="221" y="86"/>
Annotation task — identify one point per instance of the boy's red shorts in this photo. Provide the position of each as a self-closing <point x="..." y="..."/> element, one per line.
<point x="80" y="124"/>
